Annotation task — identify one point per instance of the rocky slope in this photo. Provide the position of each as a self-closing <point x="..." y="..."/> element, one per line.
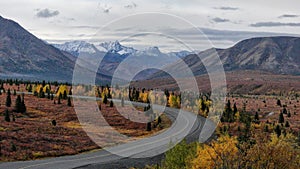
<point x="24" y="56"/>
<point x="278" y="55"/>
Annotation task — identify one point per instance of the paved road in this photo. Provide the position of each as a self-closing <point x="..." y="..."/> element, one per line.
<point x="137" y="153"/>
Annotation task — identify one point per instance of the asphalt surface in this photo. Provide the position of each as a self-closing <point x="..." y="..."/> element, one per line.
<point x="133" y="154"/>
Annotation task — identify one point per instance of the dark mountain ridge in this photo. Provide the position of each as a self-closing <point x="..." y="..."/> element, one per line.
<point x="22" y="55"/>
<point x="278" y="55"/>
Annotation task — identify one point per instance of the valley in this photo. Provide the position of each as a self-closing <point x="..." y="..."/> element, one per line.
<point x="58" y="105"/>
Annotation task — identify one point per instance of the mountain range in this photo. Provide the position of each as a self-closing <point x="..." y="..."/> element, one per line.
<point x="114" y="53"/>
<point x="22" y="55"/>
<point x="277" y="55"/>
<point x="114" y="47"/>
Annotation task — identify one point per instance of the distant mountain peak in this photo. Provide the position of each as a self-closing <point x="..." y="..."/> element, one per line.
<point x="116" y="47"/>
<point x="112" y="46"/>
<point x="76" y="47"/>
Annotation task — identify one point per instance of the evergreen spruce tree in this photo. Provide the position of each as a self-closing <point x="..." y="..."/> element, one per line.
<point x="8" y="99"/>
<point x="44" y="83"/>
<point x="158" y="120"/>
<point x="149" y="128"/>
<point x="235" y="110"/>
<point x="41" y="93"/>
<point x="29" y="88"/>
<point x="284" y="111"/>
<point x="266" y="128"/>
<point x="69" y="102"/>
<point x="281" y="118"/>
<point x="7" y="116"/>
<point x="287" y="124"/>
<point x="65" y="96"/>
<point x="60" y="96"/>
<point x="279" y="102"/>
<point x="53" y="122"/>
<point x="13" y="118"/>
<point x="278" y="130"/>
<point x="203" y="105"/>
<point x="23" y="106"/>
<point x="59" y="102"/>
<point x="70" y="91"/>
<point x="105" y="99"/>
<point x="48" y="95"/>
<point x="256" y="117"/>
<point x="18" y="106"/>
<point x="1" y="86"/>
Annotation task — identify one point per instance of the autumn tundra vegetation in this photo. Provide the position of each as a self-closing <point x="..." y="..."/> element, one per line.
<point x="255" y="131"/>
<point x="39" y="119"/>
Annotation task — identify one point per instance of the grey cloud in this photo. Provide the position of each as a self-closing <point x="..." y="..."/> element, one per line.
<point x="223" y="38"/>
<point x="227" y="8"/>
<point x="288" y="16"/>
<point x="46" y="13"/>
<point x="274" y="24"/>
<point x="131" y="6"/>
<point x="219" y="38"/>
<point x="104" y="7"/>
<point x="234" y="36"/>
<point x="220" y="20"/>
<point x="82" y="35"/>
<point x="130" y="40"/>
<point x="85" y="27"/>
<point x="189" y="34"/>
<point x="123" y="29"/>
<point x="70" y="19"/>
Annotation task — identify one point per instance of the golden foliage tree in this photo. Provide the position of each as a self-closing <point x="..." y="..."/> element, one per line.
<point x="174" y="101"/>
<point x="62" y="89"/>
<point x="221" y="153"/>
<point x="276" y="152"/>
<point x="143" y="97"/>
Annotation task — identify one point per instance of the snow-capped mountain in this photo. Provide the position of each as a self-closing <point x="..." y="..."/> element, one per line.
<point x="180" y="54"/>
<point x="116" y="47"/>
<point x="151" y="51"/>
<point x="114" y="53"/>
<point x="76" y="47"/>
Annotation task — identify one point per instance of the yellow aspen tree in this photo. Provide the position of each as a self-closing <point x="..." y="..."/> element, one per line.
<point x="222" y="153"/>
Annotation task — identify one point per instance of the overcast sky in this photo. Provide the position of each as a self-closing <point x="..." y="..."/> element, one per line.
<point x="224" y="22"/>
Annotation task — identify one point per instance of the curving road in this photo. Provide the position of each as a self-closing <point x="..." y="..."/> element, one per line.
<point x="185" y="125"/>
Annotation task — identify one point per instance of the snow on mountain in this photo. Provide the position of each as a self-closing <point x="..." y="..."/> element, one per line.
<point x="76" y="47"/>
<point x="151" y="51"/>
<point x="180" y="54"/>
<point x="116" y="47"/>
